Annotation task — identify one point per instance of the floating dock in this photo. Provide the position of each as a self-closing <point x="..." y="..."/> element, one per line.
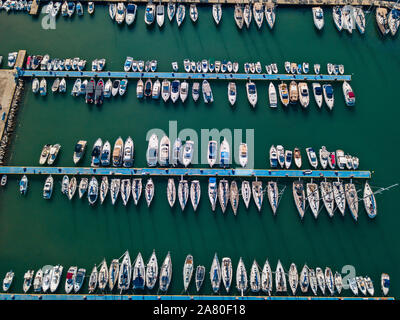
<point x="207" y="172"/>
<point x="181" y="75"/>
<point x="19" y="296"/>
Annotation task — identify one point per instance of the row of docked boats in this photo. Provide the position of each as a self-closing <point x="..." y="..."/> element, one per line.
<point x="208" y="66"/>
<point x="174" y="90"/>
<point x="243" y="15"/>
<point x="387" y="20"/>
<point x="45" y="62"/>
<point x="256" y="67"/>
<point x="279" y="157"/>
<point x="13" y="5"/>
<point x="334" y="195"/>
<point x="140" y="65"/>
<point x="49" y="154"/>
<point x="123" y="275"/>
<point x="123" y="153"/>
<point x="299" y="68"/>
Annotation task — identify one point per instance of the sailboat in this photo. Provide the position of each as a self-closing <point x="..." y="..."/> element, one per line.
<point x="215" y="274"/>
<point x="195" y="192"/>
<point x="258" y="194"/>
<point x="183" y="193"/>
<point x="166" y="273"/>
<point x="223" y="194"/>
<point x="138" y="273"/>
<point x="238" y="15"/>
<point x="187" y="271"/>
<point x="299" y="197"/>
<point x="180" y="14"/>
<point x="241" y="277"/>
<point x="151" y="271"/>
<point x="217" y="12"/>
<point x="270" y="14"/>
<point x="369" y="201"/>
<point x="255" y="277"/>
<point x="273" y="195"/>
<point x="212" y="192"/>
<point x="125" y="273"/>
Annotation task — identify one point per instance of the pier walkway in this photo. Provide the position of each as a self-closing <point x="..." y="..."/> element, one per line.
<point x="181" y="75"/>
<point x="207" y="172"/>
<point x="20" y="296"/>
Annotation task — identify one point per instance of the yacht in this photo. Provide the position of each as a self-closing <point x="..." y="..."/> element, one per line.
<point x="105" y="154"/>
<point x="328" y="95"/>
<point x="273" y="157"/>
<point x="215" y="274"/>
<point x="113" y="274"/>
<point x="304" y="94"/>
<point x="165" y="90"/>
<point x="266" y="278"/>
<point x="385" y="283"/>
<point x="43" y="87"/>
<point x="348" y="94"/>
<point x="313" y="198"/>
<point x="54" y="150"/>
<point x="196" y="91"/>
<point x="114" y="190"/>
<point x="128" y="155"/>
<point x="238" y="15"/>
<point x="299" y="197"/>
<point x="393" y="21"/>
<point x="270" y="14"/>
<point x="139" y="88"/>
<point x="360" y="19"/>
<point x="35" y="85"/>
<point x="151" y="271"/>
<point x="288" y="158"/>
<point x="369" y="201"/>
<point x="187" y="153"/>
<point x="312" y="157"/>
<point x="212" y="192"/>
<point x="223" y="194"/>
<point x="212" y="152"/>
<point x="246" y="193"/>
<point x="152" y="151"/>
<point x="171" y="8"/>
<point x="139" y="273"/>
<point x="329" y="280"/>
<point x="180" y="14"/>
<point x="348" y="18"/>
<point x="337" y="17"/>
<point x="93" y="191"/>
<point x="304" y="280"/>
<point x="149" y="191"/>
<point x="164" y="151"/>
<point x="313" y="281"/>
<point x="251" y="93"/>
<point x="361" y="285"/>
<point x="166" y="273"/>
<point x="247" y="15"/>
<point x="79" y="279"/>
<point x="232" y="93"/>
<point x="108" y="88"/>
<point x="118" y="152"/>
<point x="149" y="13"/>
<point x="171" y="192"/>
<point x="70" y="279"/>
<point x="217" y="12"/>
<point x="99" y="92"/>
<point x="258" y="12"/>
<point x="327" y="197"/>
<point x="207" y="93"/>
<point x="193" y="12"/>
<point x="273" y="195"/>
<point x="176" y="152"/>
<point x="183" y="193"/>
<point x="175" y="88"/>
<point x="224" y="154"/>
<point x="37" y="282"/>
<point x="352" y="199"/>
<point x="353" y="285"/>
<point x="318" y="16"/>
<point x="28" y="280"/>
<point x="125" y="190"/>
<point x="184" y="91"/>
<point x="284" y="94"/>
<point x="243" y="154"/>
<point x="136" y="189"/>
<point x="160" y="14"/>
<point x="56" y="278"/>
<point x="293" y="278"/>
<point x="320" y="279"/>
<point x="155" y="93"/>
<point x="83" y="185"/>
<point x="258" y="194"/>
<point x="120" y="13"/>
<point x="103" y="189"/>
<point x="93" y="280"/>
<point x="273" y="100"/>
<point x="123" y="84"/>
<point x="125" y="273"/>
<point x="339" y="194"/>
<point x="44" y="155"/>
<point x="317" y="90"/>
<point x="280" y="278"/>
<point x="187" y="271"/>
<point x="234" y="197"/>
<point x="241" y="277"/>
<point x="323" y="157"/>
<point x="48" y="187"/>
<point x="281" y="155"/>
<point x="293" y="93"/>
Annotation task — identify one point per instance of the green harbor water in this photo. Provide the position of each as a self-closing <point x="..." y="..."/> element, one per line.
<point x="35" y="232"/>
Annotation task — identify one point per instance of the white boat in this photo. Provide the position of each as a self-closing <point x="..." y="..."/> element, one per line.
<point x="304" y="280"/>
<point x="258" y="12"/>
<point x="112" y="9"/>
<point x="284" y="94"/>
<point x="138" y="273"/>
<point x="120" y="13"/>
<point x="195" y="192"/>
<point x="125" y="190"/>
<point x="266" y="278"/>
<point x="193" y="13"/>
<point x="152" y="151"/>
<point x="258" y="194"/>
<point x="313" y="281"/>
<point x="65" y="185"/>
<point x="105" y="154"/>
<point x="35" y="85"/>
<point x="352" y="199"/>
<point x="251" y="90"/>
<point x="270" y="14"/>
<point x="165" y="90"/>
<point x="370" y="286"/>
<point x="212" y="192"/>
<point x="238" y="15"/>
<point x="273" y="195"/>
<point x="83" y="185"/>
<point x="313" y="198"/>
<point x="241" y="277"/>
<point x="348" y="94"/>
<point x="28" y="280"/>
<point x="171" y="8"/>
<point x="255" y="277"/>
<point x="385" y="283"/>
<point x="312" y="157"/>
<point x="318" y="17"/>
<point x="43" y="87"/>
<point x="232" y="93"/>
<point x="93" y="279"/>
<point x="393" y="21"/>
<point x="337" y="17"/>
<point x="96" y="152"/>
<point x="149" y="13"/>
<point x="195" y="91"/>
<point x="155" y="94"/>
<point x="280" y="151"/>
<point x="212" y="152"/>
<point x="369" y="201"/>
<point x="93" y="191"/>
<point x="125" y="273"/>
<point x="215" y="274"/>
<point x="164" y="151"/>
<point x="187" y="153"/>
<point x="166" y="273"/>
<point x="183" y="193"/>
<point x="217" y="12"/>
<point x="247" y="15"/>
<point x="246" y="193"/>
<point x="226" y="273"/>
<point x="184" y="91"/>
<point x="234" y="197"/>
<point x="23" y="185"/>
<point x="151" y="271"/>
<point x="243" y="154"/>
<point x="327" y="197"/>
<point x="293" y="278"/>
<point x="320" y="279"/>
<point x="175" y="86"/>
<point x="113" y="274"/>
<point x="72" y="188"/>
<point x="299" y="197"/>
<point x="187" y="271"/>
<point x="280" y="278"/>
<point x="200" y="275"/>
<point x="114" y="190"/>
<point x="329" y="280"/>
<point x="37" y="282"/>
<point x="359" y="17"/>
<point x="304" y="95"/>
<point x="273" y="100"/>
<point x="136" y="189"/>
<point x="117" y="152"/>
<point x="48" y="187"/>
<point x="207" y="93"/>
<point x="339" y="195"/>
<point x="352" y="282"/>
<point x="318" y="93"/>
<point x="338" y="282"/>
<point x="273" y="157"/>
<point x="47" y="275"/>
<point x="328" y="95"/>
<point x="171" y="192"/>
<point x="224" y="154"/>
<point x="160" y="10"/>
<point x="128" y="154"/>
<point x="223" y="194"/>
<point x="70" y="279"/>
<point x="348" y="18"/>
<point x="149" y="191"/>
<point x="176" y="152"/>
<point x="288" y="158"/>
<point x="361" y="285"/>
<point x="180" y="14"/>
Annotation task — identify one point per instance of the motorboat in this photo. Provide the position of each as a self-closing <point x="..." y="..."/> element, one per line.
<point x="258" y="193"/>
<point x="323" y="157"/>
<point x="93" y="191"/>
<point x="369" y="201"/>
<point x="70" y="279"/>
<point x="96" y="153"/>
<point x="152" y="151"/>
<point x="238" y="15"/>
<point x="28" y="280"/>
<point x="155" y="94"/>
<point x="370" y="286"/>
<point x="215" y="274"/>
<point x="105" y="154"/>
<point x="360" y="19"/>
<point x="149" y="191"/>
<point x="54" y="150"/>
<point x="139" y="88"/>
<point x="187" y="153"/>
<point x="328" y="95"/>
<point x="45" y="154"/>
<point x="108" y="88"/>
<point x="348" y="18"/>
<point x="304" y="95"/>
<point x="385" y="283"/>
<point x="175" y="88"/>
<point x="149" y="13"/>
<point x="293" y="93"/>
<point x="187" y="271"/>
<point x="55" y="278"/>
<point x="348" y="94"/>
<point x="393" y="21"/>
<point x="299" y="197"/>
<point x="99" y="92"/>
<point x="120" y="13"/>
<point x="212" y="152"/>
<point x="258" y="13"/>
<point x="136" y="189"/>
<point x="270" y="14"/>
<point x="281" y="155"/>
<point x="165" y="90"/>
<point x="337" y="17"/>
<point x="232" y="93"/>
<point x="212" y="192"/>
<point x="223" y="194"/>
<point x="184" y="91"/>
<point x="312" y="157"/>
<point x="48" y="187"/>
<point x="117" y="153"/>
<point x="273" y="195"/>
<point x="288" y="158"/>
<point x="361" y="285"/>
<point x="123" y="84"/>
<point x="224" y="154"/>
<point x="164" y="151"/>
<point x="247" y="15"/>
<point x="318" y="17"/>
<point x="273" y="100"/>
<point x="284" y="94"/>
<point x="91" y="7"/>
<point x="251" y="90"/>
<point x="171" y="8"/>
<point x="43" y="87"/>
<point x="273" y="157"/>
<point x="160" y="10"/>
<point x="318" y="93"/>
<point x="196" y="91"/>
<point x="65" y="185"/>
<point x="243" y="154"/>
<point x="112" y="9"/>
<point x="207" y="93"/>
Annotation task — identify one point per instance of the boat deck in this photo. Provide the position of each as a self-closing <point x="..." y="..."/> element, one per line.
<point x="207" y="172"/>
<point x="20" y="296"/>
<point x="181" y="75"/>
